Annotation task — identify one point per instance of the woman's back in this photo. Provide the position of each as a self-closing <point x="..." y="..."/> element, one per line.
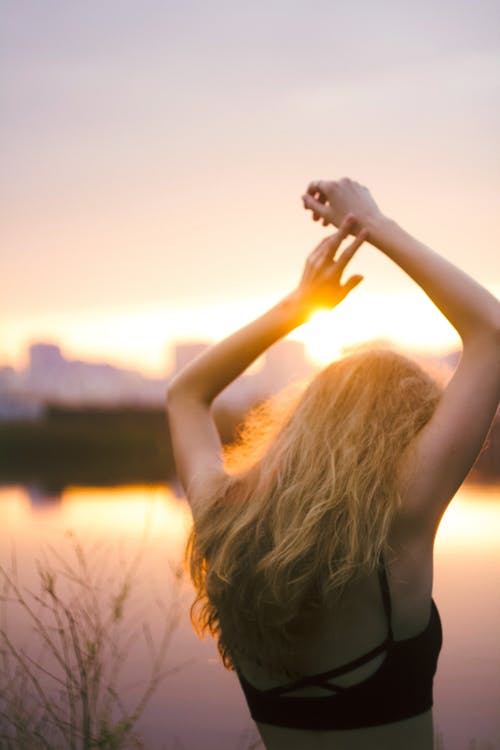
<point x="386" y="627"/>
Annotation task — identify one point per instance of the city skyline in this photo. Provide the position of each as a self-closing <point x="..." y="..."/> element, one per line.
<point x="53" y="377"/>
<point x="146" y="341"/>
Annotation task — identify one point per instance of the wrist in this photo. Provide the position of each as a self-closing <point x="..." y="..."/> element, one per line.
<point x="296" y="308"/>
<point x="380" y="228"/>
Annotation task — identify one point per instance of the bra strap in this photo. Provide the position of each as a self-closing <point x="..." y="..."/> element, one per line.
<point x="319" y="679"/>
<point x="386" y="595"/>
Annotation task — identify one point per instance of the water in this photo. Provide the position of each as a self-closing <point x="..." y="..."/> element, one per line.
<point x="199" y="706"/>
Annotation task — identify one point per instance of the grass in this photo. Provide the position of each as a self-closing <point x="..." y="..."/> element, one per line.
<point x="68" y="696"/>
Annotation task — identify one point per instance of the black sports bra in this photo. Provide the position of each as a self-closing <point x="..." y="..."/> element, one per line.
<point x="399" y="689"/>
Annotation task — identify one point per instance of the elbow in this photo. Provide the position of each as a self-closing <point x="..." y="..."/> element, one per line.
<point x="486" y="333"/>
<point x="494" y="330"/>
<point x="173" y="392"/>
<point x="487" y="341"/>
<point x="495" y="323"/>
<point x="179" y="391"/>
<point x="495" y="320"/>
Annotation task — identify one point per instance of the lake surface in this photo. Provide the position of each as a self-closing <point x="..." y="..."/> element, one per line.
<point x="199" y="705"/>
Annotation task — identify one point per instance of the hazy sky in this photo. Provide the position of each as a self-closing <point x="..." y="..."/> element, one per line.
<point x="153" y="153"/>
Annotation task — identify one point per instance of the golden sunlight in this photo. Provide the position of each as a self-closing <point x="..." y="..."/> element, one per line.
<point x="143" y="338"/>
<point x="408" y="320"/>
<point x="149" y="510"/>
<point x="473" y="516"/>
<point x="317" y="335"/>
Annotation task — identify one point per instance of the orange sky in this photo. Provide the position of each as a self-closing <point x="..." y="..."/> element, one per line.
<point x="154" y="157"/>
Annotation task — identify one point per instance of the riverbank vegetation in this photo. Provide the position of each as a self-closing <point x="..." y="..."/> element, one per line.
<point x="105" y="447"/>
<point x="64" y="645"/>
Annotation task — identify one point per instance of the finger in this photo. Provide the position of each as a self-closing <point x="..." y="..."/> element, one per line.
<point x="322" y="251"/>
<point x="317" y="188"/>
<point x="322" y="187"/>
<point x="346" y="225"/>
<point x="351" y="249"/>
<point x="326" y="249"/>
<point x="318" y="208"/>
<point x="322" y="257"/>
<point x="344" y="229"/>
<point x="351" y="283"/>
<point x="316" y="194"/>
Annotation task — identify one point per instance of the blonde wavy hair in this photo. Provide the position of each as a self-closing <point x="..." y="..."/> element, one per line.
<point x="306" y="507"/>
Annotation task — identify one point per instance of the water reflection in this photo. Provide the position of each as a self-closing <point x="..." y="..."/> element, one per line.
<point x="39" y="495"/>
<point x="467" y="582"/>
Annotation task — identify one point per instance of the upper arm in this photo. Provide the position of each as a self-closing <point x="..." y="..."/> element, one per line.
<point x="445" y="450"/>
<point x="196" y="445"/>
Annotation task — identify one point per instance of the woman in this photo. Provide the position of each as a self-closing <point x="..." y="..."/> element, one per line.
<point x="313" y="562"/>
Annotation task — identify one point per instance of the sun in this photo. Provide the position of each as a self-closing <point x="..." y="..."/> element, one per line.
<point x="328" y="333"/>
<point x="406" y="321"/>
<point x="318" y="337"/>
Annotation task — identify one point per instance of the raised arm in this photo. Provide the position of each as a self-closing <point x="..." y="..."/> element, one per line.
<point x="195" y="441"/>
<point x="450" y="443"/>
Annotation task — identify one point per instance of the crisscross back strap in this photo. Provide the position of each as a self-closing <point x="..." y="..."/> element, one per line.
<point x="320" y="680"/>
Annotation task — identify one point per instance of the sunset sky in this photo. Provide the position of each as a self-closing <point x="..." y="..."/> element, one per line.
<point x="153" y="155"/>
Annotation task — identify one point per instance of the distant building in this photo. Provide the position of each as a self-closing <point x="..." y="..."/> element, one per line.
<point x="14" y="404"/>
<point x="16" y="407"/>
<point x="45" y="358"/>
<point x="51" y="378"/>
<point x="185" y="352"/>
<point x="7" y="378"/>
<point x="284" y="363"/>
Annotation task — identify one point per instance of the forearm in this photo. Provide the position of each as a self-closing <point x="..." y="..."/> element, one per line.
<point x="468" y="306"/>
<point x="207" y="375"/>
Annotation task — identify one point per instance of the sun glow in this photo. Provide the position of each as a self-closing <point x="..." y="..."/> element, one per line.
<point x="122" y="512"/>
<point x="144" y="338"/>
<point x="472" y="518"/>
<point x="154" y="509"/>
<point x="317" y="335"/>
<point x="408" y="321"/>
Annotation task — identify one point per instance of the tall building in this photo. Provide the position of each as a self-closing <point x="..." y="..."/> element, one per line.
<point x="54" y="379"/>
<point x="185" y="352"/>
<point x="285" y="362"/>
<point x="44" y="358"/>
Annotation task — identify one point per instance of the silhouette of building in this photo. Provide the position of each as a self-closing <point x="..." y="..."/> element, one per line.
<point x="45" y="359"/>
<point x="185" y="352"/>
<point x="51" y="378"/>
<point x="284" y="362"/>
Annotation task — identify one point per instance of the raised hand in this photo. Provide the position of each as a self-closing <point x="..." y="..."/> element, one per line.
<point x="320" y="285"/>
<point x="331" y="201"/>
